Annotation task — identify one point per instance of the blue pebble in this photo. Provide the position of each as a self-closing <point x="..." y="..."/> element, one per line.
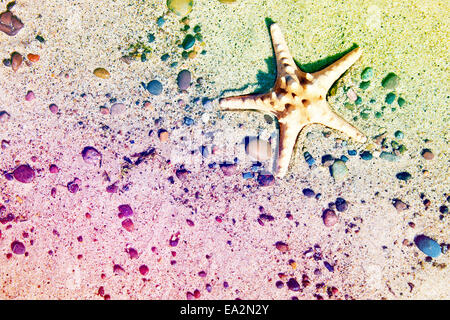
<point x="428" y="246"/>
<point x="328" y="266"/>
<point x="151" y="37"/>
<point x="165" y="56"/>
<point x="366" y="155"/>
<point x="188" y="121"/>
<point x="309" y="159"/>
<point x="351" y="152"/>
<point x="160" y="21"/>
<point x="344" y="158"/>
<point x="248" y="175"/>
<point x="154" y="87"/>
<point x="212" y="165"/>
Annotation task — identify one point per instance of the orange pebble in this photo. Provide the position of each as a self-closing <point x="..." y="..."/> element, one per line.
<point x="33" y="57"/>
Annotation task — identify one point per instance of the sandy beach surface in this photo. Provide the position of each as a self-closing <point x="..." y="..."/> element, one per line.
<point x="199" y="229"/>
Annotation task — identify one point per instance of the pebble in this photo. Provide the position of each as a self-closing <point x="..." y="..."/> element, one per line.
<point x="329" y="217"/>
<point x="266" y="180"/>
<point x="309" y="159"/>
<point x="228" y="169"/>
<point x="117" y="108"/>
<point x="308" y="193"/>
<point x="53" y="168"/>
<point x="427" y="154"/>
<point x="405" y="176"/>
<point x="258" y="149"/>
<point x="91" y="155"/>
<point x="327" y="160"/>
<point x="399" y="134"/>
<point x="10" y="24"/>
<point x="364" y="85"/>
<point x="188" y="42"/>
<point x="428" y="246"/>
<point x="4" y="116"/>
<point x="351" y="95"/>
<point x="390" y="81"/>
<point x="341" y="204"/>
<point x="281" y="246"/>
<point x="184" y="79"/>
<point x="30" y="96"/>
<point x="390" y="98"/>
<point x="125" y="210"/>
<point x="180" y="7"/>
<point x="388" y="156"/>
<point x="33" y="57"/>
<point x="293" y="285"/>
<point x="16" y="61"/>
<point x="24" y="173"/>
<point x="128" y="225"/>
<point x="399" y="205"/>
<point x="182" y="174"/>
<point x="53" y="108"/>
<point x="102" y="73"/>
<point x="366" y="155"/>
<point x="17" y="247"/>
<point x="188" y="121"/>
<point x="401" y="102"/>
<point x="248" y="175"/>
<point x="338" y="170"/>
<point x="163" y="135"/>
<point x="154" y="87"/>
<point x="367" y="74"/>
<point x="143" y="269"/>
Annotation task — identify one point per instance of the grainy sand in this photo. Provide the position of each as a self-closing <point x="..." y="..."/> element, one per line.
<point x="365" y="247"/>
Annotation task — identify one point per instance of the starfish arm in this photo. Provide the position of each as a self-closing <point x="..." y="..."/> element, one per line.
<point x="285" y="63"/>
<point x="258" y="102"/>
<point x="330" y="119"/>
<point x="325" y="78"/>
<point x="288" y="136"/>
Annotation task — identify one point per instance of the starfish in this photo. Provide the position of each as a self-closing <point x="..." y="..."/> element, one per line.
<point x="297" y="99"/>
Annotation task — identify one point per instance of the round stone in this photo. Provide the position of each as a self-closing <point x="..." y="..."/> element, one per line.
<point x="154" y="87"/>
<point x="24" y="173"/>
<point x="427" y="154"/>
<point x="339" y="170"/>
<point x="329" y="218"/>
<point x="180" y="7"/>
<point x="184" y="79"/>
<point x="428" y="246"/>
<point x="405" y="176"/>
<point x="367" y="74"/>
<point x="258" y="149"/>
<point x="390" y="81"/>
<point x="102" y="73"/>
<point x="308" y="193"/>
<point x="341" y="204"/>
<point x="17" y="247"/>
<point x="117" y="108"/>
<point x="91" y="155"/>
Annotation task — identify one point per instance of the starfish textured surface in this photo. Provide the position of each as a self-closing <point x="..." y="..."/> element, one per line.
<point x="297" y="99"/>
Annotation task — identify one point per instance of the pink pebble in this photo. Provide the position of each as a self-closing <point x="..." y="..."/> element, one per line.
<point x="143" y="269"/>
<point x="54" y="168"/>
<point x="30" y="96"/>
<point x="53" y="108"/>
<point x="351" y="95"/>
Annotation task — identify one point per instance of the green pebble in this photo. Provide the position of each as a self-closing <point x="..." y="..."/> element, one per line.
<point x="186" y="28"/>
<point x="143" y="57"/>
<point x="402" y="149"/>
<point x="349" y="106"/>
<point x="390" y="81"/>
<point x="338" y="170"/>
<point x="365" y="114"/>
<point x="188" y="42"/>
<point x="358" y="101"/>
<point x="367" y="73"/>
<point x="390" y="97"/>
<point x="165" y="56"/>
<point x="378" y="114"/>
<point x="197" y="29"/>
<point x="364" y="85"/>
<point x="40" y="39"/>
<point x="393" y="109"/>
<point x="399" y="135"/>
<point x="185" y="54"/>
<point x="401" y="102"/>
<point x="394" y="144"/>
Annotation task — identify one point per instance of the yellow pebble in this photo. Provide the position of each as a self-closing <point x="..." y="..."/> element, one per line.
<point x="192" y="54"/>
<point x="102" y="73"/>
